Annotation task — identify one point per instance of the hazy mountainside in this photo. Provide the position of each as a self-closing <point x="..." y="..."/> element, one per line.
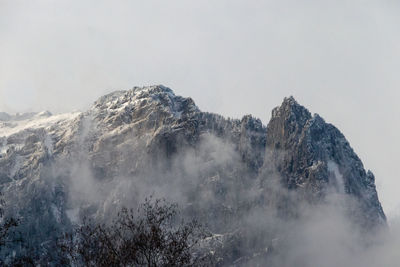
<point x="245" y="180"/>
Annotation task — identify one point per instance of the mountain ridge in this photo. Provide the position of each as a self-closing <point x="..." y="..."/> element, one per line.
<point x="58" y="169"/>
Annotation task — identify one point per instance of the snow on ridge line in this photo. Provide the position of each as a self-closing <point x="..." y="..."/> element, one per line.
<point x="122" y="100"/>
<point x="11" y="127"/>
<point x="136" y="92"/>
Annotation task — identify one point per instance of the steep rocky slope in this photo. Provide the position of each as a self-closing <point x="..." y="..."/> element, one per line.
<point x="235" y="175"/>
<point x="314" y="158"/>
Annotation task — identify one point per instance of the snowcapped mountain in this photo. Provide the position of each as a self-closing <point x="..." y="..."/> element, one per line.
<point x="238" y="176"/>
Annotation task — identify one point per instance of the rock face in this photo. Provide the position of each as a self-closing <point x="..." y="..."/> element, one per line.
<point x="314" y="157"/>
<point x="55" y="169"/>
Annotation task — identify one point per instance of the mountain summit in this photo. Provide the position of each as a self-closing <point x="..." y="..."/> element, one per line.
<point x="57" y="169"/>
<point x="314" y="156"/>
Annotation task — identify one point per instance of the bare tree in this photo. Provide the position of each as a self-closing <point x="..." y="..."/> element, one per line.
<point x="151" y="236"/>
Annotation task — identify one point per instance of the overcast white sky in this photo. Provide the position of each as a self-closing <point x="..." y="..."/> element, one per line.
<point x="340" y="59"/>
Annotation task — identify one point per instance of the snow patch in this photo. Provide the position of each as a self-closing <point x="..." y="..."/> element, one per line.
<point x="316" y="165"/>
<point x="7" y="129"/>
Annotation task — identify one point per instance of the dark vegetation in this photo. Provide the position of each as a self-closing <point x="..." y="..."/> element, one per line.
<point x="9" y="236"/>
<point x="153" y="235"/>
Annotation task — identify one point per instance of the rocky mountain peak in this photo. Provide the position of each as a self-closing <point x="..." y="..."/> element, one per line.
<point x="314" y="156"/>
<point x="291" y="109"/>
<point x="139" y="96"/>
<point x="139" y="103"/>
<point x="287" y="122"/>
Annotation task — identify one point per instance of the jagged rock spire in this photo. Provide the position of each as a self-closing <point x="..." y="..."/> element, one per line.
<point x="286" y="123"/>
<point x="314" y="156"/>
